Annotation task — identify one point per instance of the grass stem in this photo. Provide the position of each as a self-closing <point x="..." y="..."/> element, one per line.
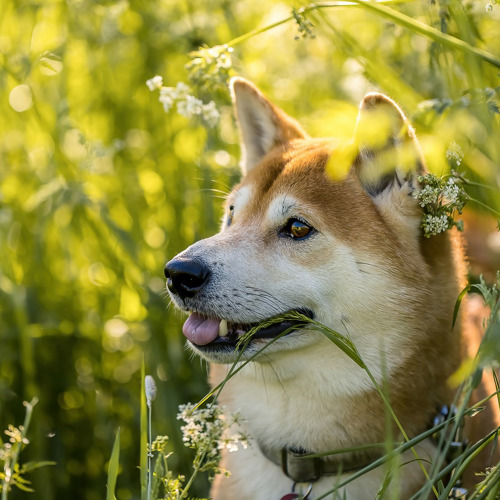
<point x="10" y="464"/>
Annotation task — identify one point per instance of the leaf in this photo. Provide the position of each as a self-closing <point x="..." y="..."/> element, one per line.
<point x="45" y="63"/>
<point x="29" y="466"/>
<point x="114" y="464"/>
<point x="458" y="303"/>
<point x="489" y="352"/>
<point x="385" y="484"/>
<point x="22" y="487"/>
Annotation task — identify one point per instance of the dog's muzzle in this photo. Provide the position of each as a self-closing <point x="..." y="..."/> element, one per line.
<point x="186" y="277"/>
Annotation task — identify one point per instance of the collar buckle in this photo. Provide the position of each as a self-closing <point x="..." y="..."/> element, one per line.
<point x="299" y="467"/>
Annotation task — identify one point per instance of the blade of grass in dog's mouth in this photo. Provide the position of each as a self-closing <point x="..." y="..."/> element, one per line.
<point x="202" y="330"/>
<point x="295" y="318"/>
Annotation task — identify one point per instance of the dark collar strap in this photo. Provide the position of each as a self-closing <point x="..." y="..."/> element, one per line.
<point x="302" y="468"/>
<point x="299" y="466"/>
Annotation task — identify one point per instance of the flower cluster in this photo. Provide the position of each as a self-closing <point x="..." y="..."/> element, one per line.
<point x="187" y="104"/>
<point x="155" y="83"/>
<point x="206" y="431"/>
<point x="305" y="26"/>
<point x="12" y="472"/>
<point x="172" y="484"/>
<point x="16" y="434"/>
<point x="210" y="67"/>
<point x="208" y="71"/>
<point x="440" y="199"/>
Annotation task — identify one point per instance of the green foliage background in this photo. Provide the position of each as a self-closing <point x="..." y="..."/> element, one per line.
<point x="99" y="187"/>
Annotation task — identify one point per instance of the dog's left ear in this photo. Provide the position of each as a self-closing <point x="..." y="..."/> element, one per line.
<point x="389" y="155"/>
<point x="262" y="125"/>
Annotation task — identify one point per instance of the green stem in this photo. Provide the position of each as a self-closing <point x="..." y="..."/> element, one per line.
<point x="386" y="458"/>
<point x="398" y="423"/>
<point x="190" y="482"/>
<point x="250" y="34"/>
<point x="196" y="470"/>
<point x="236" y="367"/>
<point x="395" y="16"/>
<point x="309" y="8"/>
<point x="485" y="206"/>
<point x="478" y="184"/>
<point x="10" y="465"/>
<point x="150" y="452"/>
<point x="428" y="31"/>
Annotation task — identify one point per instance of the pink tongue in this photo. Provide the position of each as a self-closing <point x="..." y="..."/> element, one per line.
<point x="201" y="330"/>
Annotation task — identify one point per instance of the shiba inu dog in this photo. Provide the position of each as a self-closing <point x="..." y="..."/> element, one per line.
<point x="331" y="231"/>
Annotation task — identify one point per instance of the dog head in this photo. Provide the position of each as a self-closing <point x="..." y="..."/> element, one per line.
<point x="326" y="229"/>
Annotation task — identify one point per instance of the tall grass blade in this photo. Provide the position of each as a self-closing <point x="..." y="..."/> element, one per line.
<point x="458" y="303"/>
<point x="144" y="437"/>
<point x="497" y="386"/>
<point x="395" y="16"/>
<point x="114" y="465"/>
<point x="384" y="459"/>
<point x="428" y="31"/>
<point x="466" y="459"/>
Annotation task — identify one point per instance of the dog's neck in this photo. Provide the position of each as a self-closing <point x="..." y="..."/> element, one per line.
<point x="322" y="406"/>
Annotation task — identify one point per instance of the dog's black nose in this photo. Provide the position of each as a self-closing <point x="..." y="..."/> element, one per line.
<point x="186" y="277"/>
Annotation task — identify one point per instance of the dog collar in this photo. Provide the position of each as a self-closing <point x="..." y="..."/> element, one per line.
<point x="302" y="466"/>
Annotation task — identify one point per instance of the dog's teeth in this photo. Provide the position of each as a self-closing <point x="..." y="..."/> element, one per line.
<point x="223" y="328"/>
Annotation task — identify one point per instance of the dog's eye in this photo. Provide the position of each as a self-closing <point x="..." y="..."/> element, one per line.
<point x="297" y="229"/>
<point x="230" y="216"/>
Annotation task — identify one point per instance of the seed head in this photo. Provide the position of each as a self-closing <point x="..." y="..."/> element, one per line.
<point x="150" y="385"/>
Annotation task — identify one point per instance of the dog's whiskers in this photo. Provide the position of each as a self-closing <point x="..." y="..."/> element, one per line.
<point x="275" y="373"/>
<point x="264" y="295"/>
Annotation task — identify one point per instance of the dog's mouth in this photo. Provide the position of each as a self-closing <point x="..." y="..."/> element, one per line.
<point x="204" y="331"/>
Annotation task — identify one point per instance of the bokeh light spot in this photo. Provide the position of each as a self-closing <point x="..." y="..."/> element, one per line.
<point x="21" y="98"/>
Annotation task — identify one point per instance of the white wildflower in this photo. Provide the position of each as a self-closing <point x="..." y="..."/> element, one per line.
<point x="155" y="83"/>
<point x="170" y="95"/>
<point x="181" y="90"/>
<point x="187" y="104"/>
<point x="190" y="106"/>
<point x="210" y="114"/>
<point x="435" y="224"/>
<point x="428" y="195"/>
<point x="207" y="429"/>
<point x="234" y="442"/>
<point x="452" y="191"/>
<point x="224" y="59"/>
<point x="210" y="66"/>
<point x="167" y="98"/>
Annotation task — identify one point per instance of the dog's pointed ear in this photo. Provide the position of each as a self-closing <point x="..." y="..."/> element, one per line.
<point x="389" y="155"/>
<point x="262" y="125"/>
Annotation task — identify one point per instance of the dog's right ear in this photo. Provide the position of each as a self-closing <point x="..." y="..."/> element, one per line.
<point x="262" y="125"/>
<point x="389" y="153"/>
